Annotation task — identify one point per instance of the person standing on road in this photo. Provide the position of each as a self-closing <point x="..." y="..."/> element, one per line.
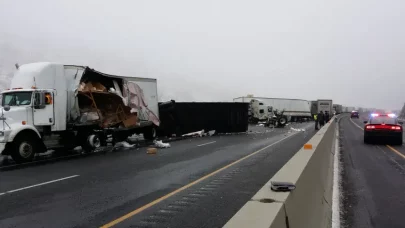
<point x="316" y="121"/>
<point x="321" y="119"/>
<point x="327" y="117"/>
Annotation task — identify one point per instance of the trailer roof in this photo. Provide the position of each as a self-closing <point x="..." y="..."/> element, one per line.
<point x="272" y="98"/>
<point x="109" y="75"/>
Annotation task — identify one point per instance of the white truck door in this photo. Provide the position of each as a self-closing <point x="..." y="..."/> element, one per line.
<point x="43" y="113"/>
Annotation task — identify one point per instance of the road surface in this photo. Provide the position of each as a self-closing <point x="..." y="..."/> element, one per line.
<point x="373" y="180"/>
<point x="200" y="182"/>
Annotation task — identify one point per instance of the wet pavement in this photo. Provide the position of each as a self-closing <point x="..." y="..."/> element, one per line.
<point x="91" y="191"/>
<point x="373" y="181"/>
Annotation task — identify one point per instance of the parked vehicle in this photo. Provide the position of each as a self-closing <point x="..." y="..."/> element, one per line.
<point x="314" y="108"/>
<point x="354" y="114"/>
<point x="263" y="112"/>
<point x="322" y="105"/>
<point x="325" y="106"/>
<point x="337" y="108"/>
<point x="54" y="106"/>
<point x="259" y="111"/>
<point x="293" y="108"/>
<point x="383" y="127"/>
<point x="348" y="109"/>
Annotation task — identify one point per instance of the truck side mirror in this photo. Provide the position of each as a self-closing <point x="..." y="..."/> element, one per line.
<point x="39" y="100"/>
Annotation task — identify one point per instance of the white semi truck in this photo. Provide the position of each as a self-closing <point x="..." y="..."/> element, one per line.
<point x="54" y="106"/>
<point x="291" y="107"/>
<point x="325" y="106"/>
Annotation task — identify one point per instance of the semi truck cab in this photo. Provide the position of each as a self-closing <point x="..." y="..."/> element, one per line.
<point x="30" y="106"/>
<point x="26" y="113"/>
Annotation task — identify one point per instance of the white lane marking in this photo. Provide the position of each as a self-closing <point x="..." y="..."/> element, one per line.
<point x="207" y="143"/>
<point x="36" y="185"/>
<point x="336" y="184"/>
<point x="356" y="124"/>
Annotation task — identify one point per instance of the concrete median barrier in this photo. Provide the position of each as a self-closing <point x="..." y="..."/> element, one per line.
<point x="309" y="205"/>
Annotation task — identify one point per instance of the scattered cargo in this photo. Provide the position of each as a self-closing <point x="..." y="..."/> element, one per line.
<point x="54" y="106"/>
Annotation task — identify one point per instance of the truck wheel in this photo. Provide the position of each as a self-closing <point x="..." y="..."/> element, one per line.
<point x="149" y="133"/>
<point x="282" y="121"/>
<point x="91" y="143"/>
<point x="25" y="147"/>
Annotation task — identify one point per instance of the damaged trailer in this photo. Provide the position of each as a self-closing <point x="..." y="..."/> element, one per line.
<point x="56" y="106"/>
<point x="179" y="118"/>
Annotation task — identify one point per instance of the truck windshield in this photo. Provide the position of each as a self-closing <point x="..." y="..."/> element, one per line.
<point x="16" y="98"/>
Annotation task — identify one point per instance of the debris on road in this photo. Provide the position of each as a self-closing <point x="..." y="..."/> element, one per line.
<point x="197" y="133"/>
<point x="151" y="150"/>
<point x="297" y="129"/>
<point x="123" y="144"/>
<point x="161" y="144"/>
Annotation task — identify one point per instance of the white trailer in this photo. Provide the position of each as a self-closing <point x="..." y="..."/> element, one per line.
<point x="337" y="108"/>
<point x="351" y="109"/>
<point x="291" y="107"/>
<point x="325" y="106"/>
<point x="51" y="106"/>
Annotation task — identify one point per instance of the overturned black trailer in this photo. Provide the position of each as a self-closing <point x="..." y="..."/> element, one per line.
<point x="184" y="117"/>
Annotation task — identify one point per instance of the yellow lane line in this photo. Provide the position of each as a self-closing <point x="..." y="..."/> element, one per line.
<point x="396" y="151"/>
<point x="389" y="147"/>
<point x="146" y="206"/>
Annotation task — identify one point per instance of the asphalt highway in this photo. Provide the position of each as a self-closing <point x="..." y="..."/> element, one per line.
<point x="373" y="182"/>
<point x="199" y="182"/>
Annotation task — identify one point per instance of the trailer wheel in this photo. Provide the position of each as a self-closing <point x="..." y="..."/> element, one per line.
<point x="149" y="133"/>
<point x="25" y="147"/>
<point x="91" y="143"/>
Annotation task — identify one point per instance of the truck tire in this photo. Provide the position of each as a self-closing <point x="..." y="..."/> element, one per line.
<point x="90" y="143"/>
<point x="25" y="146"/>
<point x="149" y="133"/>
<point x="282" y="121"/>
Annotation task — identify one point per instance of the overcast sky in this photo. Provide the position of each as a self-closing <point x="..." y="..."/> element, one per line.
<point x="350" y="51"/>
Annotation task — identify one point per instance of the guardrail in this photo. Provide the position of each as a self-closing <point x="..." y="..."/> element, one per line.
<point x="310" y="203"/>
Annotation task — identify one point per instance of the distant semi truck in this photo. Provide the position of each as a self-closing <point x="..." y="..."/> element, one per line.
<point x="322" y="105"/>
<point x="325" y="106"/>
<point x="293" y="108"/>
<point x="337" y="108"/>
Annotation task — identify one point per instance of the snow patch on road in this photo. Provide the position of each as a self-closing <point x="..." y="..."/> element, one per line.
<point x="297" y="129"/>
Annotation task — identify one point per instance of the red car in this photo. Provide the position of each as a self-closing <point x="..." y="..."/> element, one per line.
<point x="355" y="114"/>
<point x="383" y="126"/>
